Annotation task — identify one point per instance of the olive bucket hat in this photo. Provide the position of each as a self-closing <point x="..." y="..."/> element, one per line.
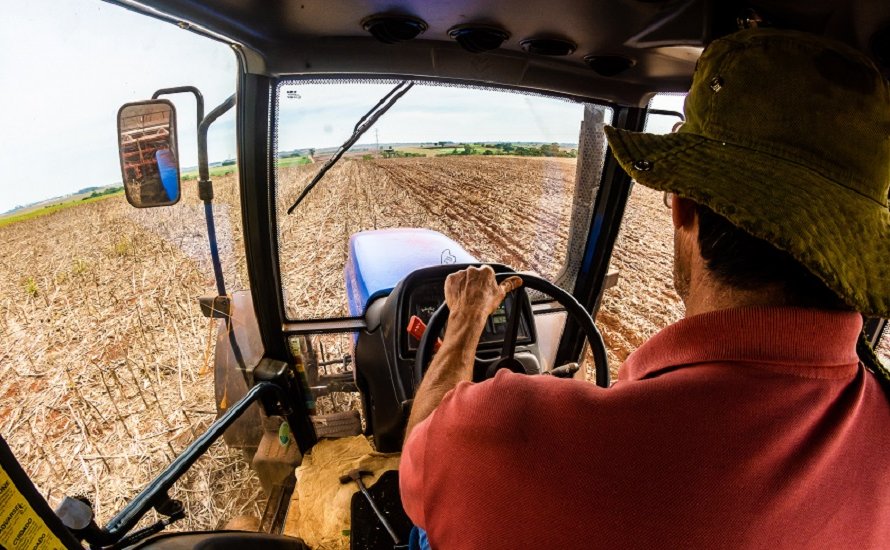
<point x="787" y="136"/>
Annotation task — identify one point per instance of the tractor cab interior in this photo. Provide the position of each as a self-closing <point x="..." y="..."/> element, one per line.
<point x="332" y="346"/>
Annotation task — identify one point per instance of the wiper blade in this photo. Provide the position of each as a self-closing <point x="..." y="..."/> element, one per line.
<point x="362" y="126"/>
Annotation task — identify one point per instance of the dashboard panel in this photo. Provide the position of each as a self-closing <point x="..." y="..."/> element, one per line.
<point x="423" y="298"/>
<point x="385" y="352"/>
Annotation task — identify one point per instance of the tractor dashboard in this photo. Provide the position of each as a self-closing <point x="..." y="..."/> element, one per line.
<point x="386" y="351"/>
<point x="426" y="297"/>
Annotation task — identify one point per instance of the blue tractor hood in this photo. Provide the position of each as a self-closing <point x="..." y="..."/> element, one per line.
<point x="379" y="259"/>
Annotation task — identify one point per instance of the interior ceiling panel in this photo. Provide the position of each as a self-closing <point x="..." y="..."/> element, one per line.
<point x="263" y="23"/>
<point x="296" y="36"/>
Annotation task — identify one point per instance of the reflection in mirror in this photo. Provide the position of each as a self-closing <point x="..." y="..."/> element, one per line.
<point x="149" y="157"/>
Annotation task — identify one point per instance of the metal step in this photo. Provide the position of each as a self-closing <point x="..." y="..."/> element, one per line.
<point x="343" y="424"/>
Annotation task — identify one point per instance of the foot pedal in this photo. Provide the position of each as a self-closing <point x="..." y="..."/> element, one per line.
<point x="344" y="424"/>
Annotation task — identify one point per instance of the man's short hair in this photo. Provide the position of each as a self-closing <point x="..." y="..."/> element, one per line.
<point x="742" y="261"/>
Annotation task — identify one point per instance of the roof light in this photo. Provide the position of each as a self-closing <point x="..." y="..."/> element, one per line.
<point x="609" y="65"/>
<point x="478" y="38"/>
<point x="548" y="46"/>
<point x="393" y="28"/>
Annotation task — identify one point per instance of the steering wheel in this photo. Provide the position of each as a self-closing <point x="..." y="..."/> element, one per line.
<point x="563" y="298"/>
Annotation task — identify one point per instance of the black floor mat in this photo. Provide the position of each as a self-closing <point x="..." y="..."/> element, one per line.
<point x="366" y="531"/>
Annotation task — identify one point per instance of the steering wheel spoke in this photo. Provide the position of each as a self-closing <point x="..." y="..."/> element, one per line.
<point x="513" y="318"/>
<point x="507" y="359"/>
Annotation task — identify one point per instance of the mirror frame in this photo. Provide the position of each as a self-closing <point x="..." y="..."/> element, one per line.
<point x="174" y="147"/>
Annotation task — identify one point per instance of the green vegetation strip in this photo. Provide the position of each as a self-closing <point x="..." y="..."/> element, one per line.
<point x="50" y="208"/>
<point x="293" y="161"/>
<point x="486" y="149"/>
<point x="215" y="171"/>
<point x="227" y="169"/>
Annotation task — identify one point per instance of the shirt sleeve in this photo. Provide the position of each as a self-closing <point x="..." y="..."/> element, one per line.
<point x="413" y="471"/>
<point x="471" y="426"/>
<point x="472" y="418"/>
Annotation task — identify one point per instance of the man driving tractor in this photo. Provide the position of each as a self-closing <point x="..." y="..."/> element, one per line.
<point x="751" y="422"/>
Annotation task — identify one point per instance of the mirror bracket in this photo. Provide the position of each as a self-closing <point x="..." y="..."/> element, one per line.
<point x="205" y="190"/>
<point x="216" y="307"/>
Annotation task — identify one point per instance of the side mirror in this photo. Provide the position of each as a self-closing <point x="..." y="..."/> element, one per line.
<point x="148" y="150"/>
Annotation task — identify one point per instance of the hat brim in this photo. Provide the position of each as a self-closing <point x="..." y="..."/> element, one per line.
<point x="841" y="236"/>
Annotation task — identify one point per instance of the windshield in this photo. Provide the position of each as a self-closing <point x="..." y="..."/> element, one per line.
<point x="493" y="171"/>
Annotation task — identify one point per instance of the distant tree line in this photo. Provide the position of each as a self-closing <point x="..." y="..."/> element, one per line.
<point x="390" y="153"/>
<point x="103" y="192"/>
<point x="296" y="153"/>
<point x="544" y="150"/>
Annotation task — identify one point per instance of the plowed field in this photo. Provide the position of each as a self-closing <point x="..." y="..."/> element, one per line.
<point x="105" y="370"/>
<point x="514" y="211"/>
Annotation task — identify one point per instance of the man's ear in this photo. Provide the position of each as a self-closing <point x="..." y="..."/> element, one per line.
<point x="683" y="213"/>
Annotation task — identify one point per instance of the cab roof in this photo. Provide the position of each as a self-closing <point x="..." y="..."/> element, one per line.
<point x="658" y="41"/>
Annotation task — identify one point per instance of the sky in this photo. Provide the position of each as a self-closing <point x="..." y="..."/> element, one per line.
<point x="320" y="117"/>
<point x="323" y="115"/>
<point x="68" y="66"/>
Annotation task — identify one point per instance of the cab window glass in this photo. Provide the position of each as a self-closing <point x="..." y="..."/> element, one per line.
<point x="644" y="301"/>
<point x="107" y="363"/>
<point x="884" y="347"/>
<point x="492" y="170"/>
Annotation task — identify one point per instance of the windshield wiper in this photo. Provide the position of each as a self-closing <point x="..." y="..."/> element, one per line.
<point x="362" y="126"/>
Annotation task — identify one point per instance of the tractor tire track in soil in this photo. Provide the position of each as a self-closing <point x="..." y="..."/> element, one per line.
<point x="423" y="190"/>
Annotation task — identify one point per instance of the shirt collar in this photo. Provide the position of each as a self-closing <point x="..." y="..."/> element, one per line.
<point x="766" y="335"/>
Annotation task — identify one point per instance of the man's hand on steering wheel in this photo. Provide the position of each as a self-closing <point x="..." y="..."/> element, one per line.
<point x="473" y="294"/>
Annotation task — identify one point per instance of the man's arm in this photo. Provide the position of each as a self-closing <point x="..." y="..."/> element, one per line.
<point x="472" y="295"/>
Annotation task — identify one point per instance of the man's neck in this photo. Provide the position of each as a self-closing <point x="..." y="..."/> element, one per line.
<point x="705" y="295"/>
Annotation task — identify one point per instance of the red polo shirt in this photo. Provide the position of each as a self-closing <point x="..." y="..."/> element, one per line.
<point x="745" y="428"/>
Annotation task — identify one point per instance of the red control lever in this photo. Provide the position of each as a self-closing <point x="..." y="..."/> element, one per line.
<point x="416" y="328"/>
